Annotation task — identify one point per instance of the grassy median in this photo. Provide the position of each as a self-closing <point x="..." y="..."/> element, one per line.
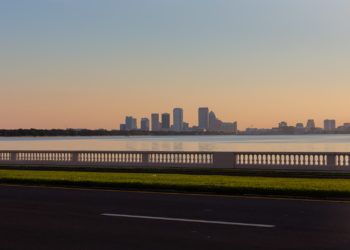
<point x="238" y="185"/>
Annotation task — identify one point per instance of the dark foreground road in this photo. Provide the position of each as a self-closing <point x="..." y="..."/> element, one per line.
<point x="54" y="218"/>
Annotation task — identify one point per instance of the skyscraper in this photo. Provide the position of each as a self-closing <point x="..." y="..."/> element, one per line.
<point x="144" y="124"/>
<point x="178" y="119"/>
<point x="235" y="127"/>
<point x="155" y="122"/>
<point x="310" y="124"/>
<point x="134" y="124"/>
<point x="203" y="118"/>
<point x="212" y="122"/>
<point x="165" y="121"/>
<point x="130" y="123"/>
<point x="329" y="125"/>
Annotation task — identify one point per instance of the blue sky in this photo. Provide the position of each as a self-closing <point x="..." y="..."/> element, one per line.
<point x="116" y="56"/>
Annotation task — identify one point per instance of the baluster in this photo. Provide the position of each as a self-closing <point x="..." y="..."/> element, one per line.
<point x="341" y="160"/>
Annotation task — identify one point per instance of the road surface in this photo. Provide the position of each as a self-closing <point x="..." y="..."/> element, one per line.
<point x="58" y="218"/>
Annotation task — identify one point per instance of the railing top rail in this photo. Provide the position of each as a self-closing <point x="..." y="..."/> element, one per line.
<point x="100" y="151"/>
<point x="291" y="153"/>
<point x="173" y="152"/>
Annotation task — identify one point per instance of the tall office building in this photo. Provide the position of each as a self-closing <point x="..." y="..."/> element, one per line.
<point x="310" y="124"/>
<point x="128" y="122"/>
<point x="155" y="122"/>
<point x="165" y="121"/>
<point x="144" y="124"/>
<point x="329" y="125"/>
<point x="235" y="127"/>
<point x="134" y="124"/>
<point x="203" y="118"/>
<point x="178" y="119"/>
<point x="212" y="122"/>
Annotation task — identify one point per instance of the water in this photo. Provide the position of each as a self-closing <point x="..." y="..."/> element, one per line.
<point x="312" y="143"/>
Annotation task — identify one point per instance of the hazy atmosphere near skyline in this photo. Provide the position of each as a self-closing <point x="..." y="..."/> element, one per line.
<point x="88" y="63"/>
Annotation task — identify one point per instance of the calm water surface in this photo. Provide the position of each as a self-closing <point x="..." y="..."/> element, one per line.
<point x="323" y="143"/>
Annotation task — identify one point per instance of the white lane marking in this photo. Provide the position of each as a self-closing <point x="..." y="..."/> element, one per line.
<point x="189" y="220"/>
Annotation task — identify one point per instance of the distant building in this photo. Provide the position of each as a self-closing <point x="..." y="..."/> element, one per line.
<point x="251" y="131"/>
<point x="282" y="125"/>
<point x="310" y="125"/>
<point x="122" y="127"/>
<point x="228" y="127"/>
<point x="299" y="125"/>
<point x="165" y="121"/>
<point x="345" y="127"/>
<point x="134" y="124"/>
<point x="329" y="125"/>
<point x="299" y="128"/>
<point x="203" y="118"/>
<point x="186" y="126"/>
<point x="130" y="123"/>
<point x="144" y="124"/>
<point x="216" y="125"/>
<point x="155" y="122"/>
<point x="196" y="129"/>
<point x="178" y="115"/>
<point x="235" y="127"/>
<point x="213" y="122"/>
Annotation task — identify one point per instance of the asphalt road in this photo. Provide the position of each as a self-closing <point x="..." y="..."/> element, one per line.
<point x="55" y="218"/>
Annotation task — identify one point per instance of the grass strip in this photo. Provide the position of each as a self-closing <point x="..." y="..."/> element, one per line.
<point x="237" y="185"/>
<point x="193" y="171"/>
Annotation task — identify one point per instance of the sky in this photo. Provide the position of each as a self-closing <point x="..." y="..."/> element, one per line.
<point x="89" y="63"/>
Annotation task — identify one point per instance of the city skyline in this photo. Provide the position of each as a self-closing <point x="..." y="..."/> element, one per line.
<point x="208" y="121"/>
<point x="84" y="63"/>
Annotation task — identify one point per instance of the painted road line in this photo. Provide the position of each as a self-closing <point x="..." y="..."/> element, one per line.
<point x="189" y="220"/>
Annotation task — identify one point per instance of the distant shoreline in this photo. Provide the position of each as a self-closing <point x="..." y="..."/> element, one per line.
<point x="87" y="132"/>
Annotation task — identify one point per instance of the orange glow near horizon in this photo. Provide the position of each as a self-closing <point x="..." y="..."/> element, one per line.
<point x="106" y="106"/>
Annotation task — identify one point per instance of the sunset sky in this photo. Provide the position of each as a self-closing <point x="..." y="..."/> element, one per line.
<point x="88" y="63"/>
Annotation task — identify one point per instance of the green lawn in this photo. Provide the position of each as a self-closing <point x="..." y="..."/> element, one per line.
<point x="311" y="187"/>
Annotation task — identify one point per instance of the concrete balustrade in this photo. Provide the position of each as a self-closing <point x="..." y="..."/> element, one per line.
<point x="239" y="160"/>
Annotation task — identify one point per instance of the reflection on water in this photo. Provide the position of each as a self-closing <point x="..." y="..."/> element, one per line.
<point x="323" y="143"/>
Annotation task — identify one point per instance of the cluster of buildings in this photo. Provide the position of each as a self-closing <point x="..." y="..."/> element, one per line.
<point x="329" y="126"/>
<point x="207" y="122"/>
